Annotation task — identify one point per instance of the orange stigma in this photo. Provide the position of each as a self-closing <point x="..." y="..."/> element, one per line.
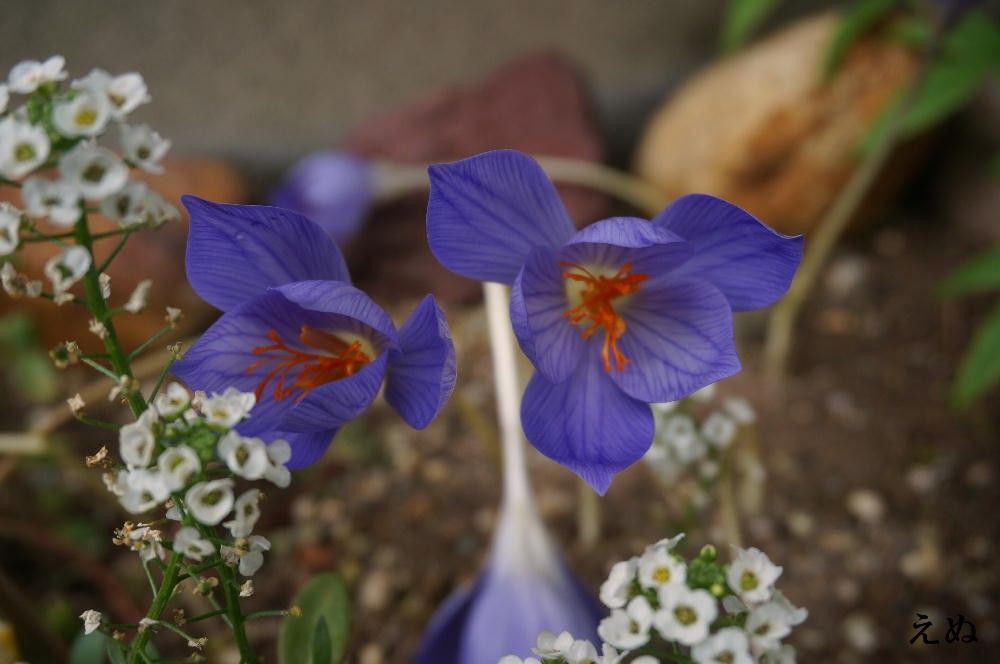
<point x="595" y="307"/>
<point x="337" y="359"/>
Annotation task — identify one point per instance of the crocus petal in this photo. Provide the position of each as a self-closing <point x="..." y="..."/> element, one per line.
<point x="442" y="641"/>
<point x="222" y="355"/>
<point x="421" y="375"/>
<point x="307" y="448"/>
<point x="750" y="263"/>
<point x="678" y="338"/>
<point x="236" y="252"/>
<point x="610" y="243"/>
<point x="538" y="305"/>
<point x="334" y="189"/>
<point x="586" y="422"/>
<point x="486" y="213"/>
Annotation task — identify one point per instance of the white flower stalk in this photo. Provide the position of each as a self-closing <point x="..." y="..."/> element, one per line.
<point x="629" y="628"/>
<point x="616" y="590"/>
<point x="229" y="408"/>
<point x="279" y="453"/>
<point x="95" y="171"/>
<point x="189" y="543"/>
<point x="658" y="567"/>
<point x="247" y="512"/>
<point x="143" y="490"/>
<point x="137" y="442"/>
<point x="124" y="93"/>
<point x="91" y="620"/>
<point x="4" y="97"/>
<point x="752" y="575"/>
<point x="10" y="228"/>
<point x="143" y="147"/>
<point x="138" y="300"/>
<point x="27" y="76"/>
<point x="684" y="614"/>
<point x="246" y="457"/>
<point x="67" y="268"/>
<point x="173" y="400"/>
<point x="178" y="464"/>
<point x="84" y="114"/>
<point x="719" y="430"/>
<point x="18" y="285"/>
<point x="23" y="148"/>
<point x="57" y="200"/>
<point x="729" y="645"/>
<point x="210" y="502"/>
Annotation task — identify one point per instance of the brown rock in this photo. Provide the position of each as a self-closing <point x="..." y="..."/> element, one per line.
<point x="764" y="130"/>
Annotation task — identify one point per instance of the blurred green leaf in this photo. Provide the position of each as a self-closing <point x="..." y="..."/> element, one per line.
<point x="88" y="649"/>
<point x="970" y="52"/>
<point x="30" y="368"/>
<point x="982" y="273"/>
<point x="321" y="631"/>
<point x="742" y="19"/>
<point x="980" y="368"/>
<point x="858" y="20"/>
<point x="914" y="31"/>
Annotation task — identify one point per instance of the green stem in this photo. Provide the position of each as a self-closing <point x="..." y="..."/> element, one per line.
<point x="160" y="601"/>
<point x="98" y="307"/>
<point x="236" y="617"/>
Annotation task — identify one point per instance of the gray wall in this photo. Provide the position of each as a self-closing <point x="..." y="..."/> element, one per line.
<point x="265" y="82"/>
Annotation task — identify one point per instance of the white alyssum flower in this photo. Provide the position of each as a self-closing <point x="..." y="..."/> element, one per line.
<point x="131" y="205"/>
<point x="67" y="268"/>
<point x="514" y="659"/>
<point x="247" y="512"/>
<point x="4" y="97"/>
<point x="18" y="285"/>
<point x="248" y="553"/>
<point x="189" y="543"/>
<point x="86" y="113"/>
<point x="26" y="76"/>
<point x="781" y="655"/>
<point x="55" y="199"/>
<point x="684" y="614"/>
<point x="680" y="435"/>
<point x="147" y="542"/>
<point x="210" y="502"/>
<point x="143" y="490"/>
<point x="137" y="442"/>
<point x="229" y="408"/>
<point x="143" y="147"/>
<point x="104" y="281"/>
<point x="23" y="147"/>
<point x="178" y="464"/>
<point x="173" y="400"/>
<point x="91" y="620"/>
<point x="705" y="394"/>
<point x="246" y="457"/>
<point x="279" y="453"/>
<point x="629" y="628"/>
<point x="719" y="429"/>
<point x="767" y="624"/>
<point x="658" y="567"/>
<point x="740" y="410"/>
<point x="10" y="228"/>
<point x="95" y="171"/>
<point x="616" y="590"/>
<point x="139" y="298"/>
<point x="728" y="645"/>
<point x="752" y="575"/>
<point x="549" y="645"/>
<point x="124" y="92"/>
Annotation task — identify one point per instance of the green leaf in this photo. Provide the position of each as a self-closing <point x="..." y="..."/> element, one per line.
<point x="970" y="52"/>
<point x="88" y="649"/>
<point x="325" y="616"/>
<point x="858" y="20"/>
<point x="742" y="19"/>
<point x="115" y="655"/>
<point x="982" y="273"/>
<point x="980" y="368"/>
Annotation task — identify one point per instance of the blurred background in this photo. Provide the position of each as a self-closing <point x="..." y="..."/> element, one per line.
<point x="872" y="475"/>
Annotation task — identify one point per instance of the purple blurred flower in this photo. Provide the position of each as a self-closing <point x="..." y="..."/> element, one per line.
<point x="526" y="589"/>
<point x="315" y="349"/>
<point x="614" y="317"/>
<point x="332" y="188"/>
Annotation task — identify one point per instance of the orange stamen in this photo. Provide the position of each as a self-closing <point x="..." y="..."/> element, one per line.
<point x="337" y="360"/>
<point x="596" y="306"/>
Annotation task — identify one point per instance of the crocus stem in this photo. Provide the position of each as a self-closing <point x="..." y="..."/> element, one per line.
<point x="516" y="489"/>
<point x="588" y="516"/>
<point x="99" y="308"/>
<point x="160" y="601"/>
<point x="728" y="511"/>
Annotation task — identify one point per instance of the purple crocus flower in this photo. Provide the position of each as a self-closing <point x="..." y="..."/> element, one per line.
<point x="526" y="589"/>
<point x="332" y="188"/>
<point x="614" y="317"/>
<point x="315" y="349"/>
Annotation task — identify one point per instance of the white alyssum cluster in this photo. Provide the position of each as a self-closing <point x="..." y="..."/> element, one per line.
<point x="184" y="449"/>
<point x="708" y="611"/>
<point x="58" y="130"/>
<point x="689" y="440"/>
